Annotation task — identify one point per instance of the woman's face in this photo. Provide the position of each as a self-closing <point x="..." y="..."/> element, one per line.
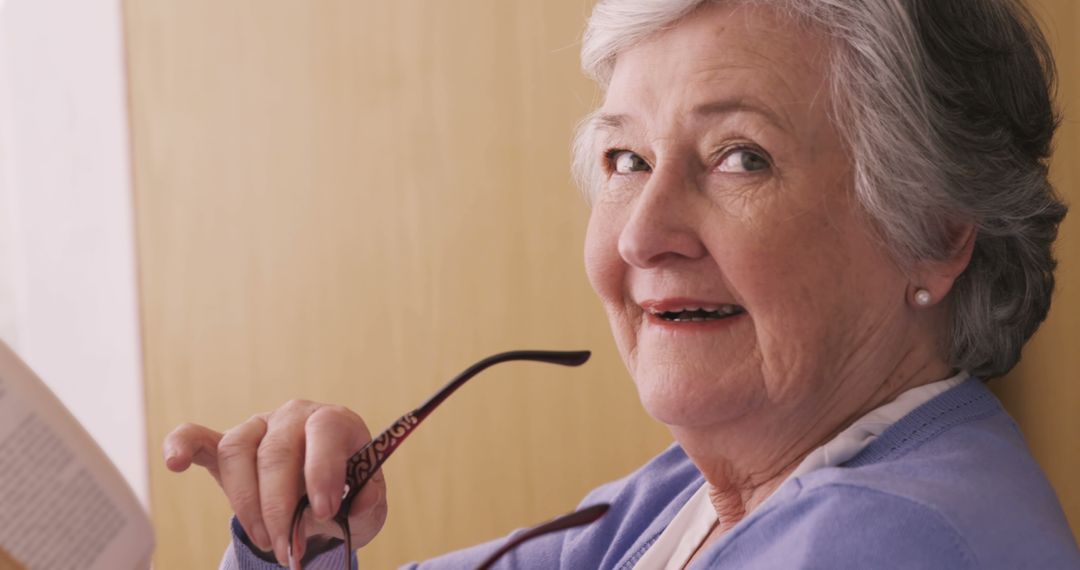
<point x="726" y="244"/>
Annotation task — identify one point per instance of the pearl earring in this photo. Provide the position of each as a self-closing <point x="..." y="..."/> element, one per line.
<point x="922" y="297"/>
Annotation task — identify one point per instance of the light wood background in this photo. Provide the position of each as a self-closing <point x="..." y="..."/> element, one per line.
<point x="350" y="201"/>
<point x="1043" y="392"/>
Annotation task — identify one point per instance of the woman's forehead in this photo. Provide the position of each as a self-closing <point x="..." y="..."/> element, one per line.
<point x="741" y="57"/>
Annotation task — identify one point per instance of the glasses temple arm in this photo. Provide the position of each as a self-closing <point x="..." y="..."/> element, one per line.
<point x="370" y="458"/>
<point x="577" y="518"/>
<point x="564" y="358"/>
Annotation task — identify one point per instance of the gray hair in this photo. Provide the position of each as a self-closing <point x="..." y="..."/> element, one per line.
<point x="946" y="106"/>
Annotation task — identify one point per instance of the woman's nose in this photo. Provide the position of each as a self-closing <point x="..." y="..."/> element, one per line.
<point x="662" y="224"/>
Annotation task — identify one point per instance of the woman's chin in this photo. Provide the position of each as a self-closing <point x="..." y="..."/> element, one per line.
<point x="689" y="401"/>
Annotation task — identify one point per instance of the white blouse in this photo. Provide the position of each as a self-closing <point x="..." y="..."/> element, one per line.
<point x="693" y="523"/>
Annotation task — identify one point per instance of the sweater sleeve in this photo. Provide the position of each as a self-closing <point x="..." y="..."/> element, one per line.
<point x="239" y="556"/>
<point x="845" y="526"/>
<point x="543" y="551"/>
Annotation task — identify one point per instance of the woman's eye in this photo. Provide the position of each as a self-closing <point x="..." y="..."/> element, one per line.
<point x="625" y="162"/>
<point x="743" y="161"/>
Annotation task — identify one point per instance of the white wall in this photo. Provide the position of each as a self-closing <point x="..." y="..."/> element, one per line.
<point x="68" y="297"/>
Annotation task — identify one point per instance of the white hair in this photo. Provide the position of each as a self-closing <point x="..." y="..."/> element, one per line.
<point x="946" y="106"/>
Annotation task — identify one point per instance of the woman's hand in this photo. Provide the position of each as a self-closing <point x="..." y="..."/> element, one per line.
<point x="266" y="463"/>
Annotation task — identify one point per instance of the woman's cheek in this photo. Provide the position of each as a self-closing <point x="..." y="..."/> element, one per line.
<point x="603" y="265"/>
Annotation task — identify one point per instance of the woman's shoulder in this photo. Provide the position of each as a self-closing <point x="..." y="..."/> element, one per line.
<point x="912" y="515"/>
<point x="843" y="526"/>
<point x="934" y="507"/>
<point x="959" y="467"/>
<point x="952" y="454"/>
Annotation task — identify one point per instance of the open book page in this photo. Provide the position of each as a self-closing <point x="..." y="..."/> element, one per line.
<point x="62" y="502"/>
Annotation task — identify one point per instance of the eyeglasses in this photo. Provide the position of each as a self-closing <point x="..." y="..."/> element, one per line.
<point x="370" y="458"/>
<point x="576" y="518"/>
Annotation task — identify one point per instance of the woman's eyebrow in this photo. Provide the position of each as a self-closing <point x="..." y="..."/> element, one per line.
<point x="618" y="121"/>
<point x="608" y="121"/>
<point x="730" y="106"/>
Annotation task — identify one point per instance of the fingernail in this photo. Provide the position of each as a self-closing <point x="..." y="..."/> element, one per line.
<point x="335" y="503"/>
<point x="281" y="551"/>
<point x="321" y="505"/>
<point x="260" y="536"/>
<point x="295" y="556"/>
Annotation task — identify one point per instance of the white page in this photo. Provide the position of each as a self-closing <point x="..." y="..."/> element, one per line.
<point x="62" y="502"/>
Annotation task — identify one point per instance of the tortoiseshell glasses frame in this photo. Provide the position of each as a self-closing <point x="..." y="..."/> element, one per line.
<point x="366" y="462"/>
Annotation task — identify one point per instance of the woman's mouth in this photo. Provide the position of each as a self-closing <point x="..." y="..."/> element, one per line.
<point x="681" y="312"/>
<point x="698" y="314"/>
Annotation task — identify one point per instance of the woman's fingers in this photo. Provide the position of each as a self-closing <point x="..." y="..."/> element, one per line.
<point x="333" y="433"/>
<point x="264" y="464"/>
<point x="280" y="463"/>
<point x="236" y="453"/>
<point x="192" y="443"/>
<point x="368" y="512"/>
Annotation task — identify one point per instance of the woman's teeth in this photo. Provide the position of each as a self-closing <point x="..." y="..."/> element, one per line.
<point x="696" y="314"/>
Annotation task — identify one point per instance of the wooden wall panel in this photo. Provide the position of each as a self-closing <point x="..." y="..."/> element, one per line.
<point x="1043" y="392"/>
<point x="349" y="201"/>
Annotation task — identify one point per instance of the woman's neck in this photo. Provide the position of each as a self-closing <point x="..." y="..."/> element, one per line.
<point x="746" y="459"/>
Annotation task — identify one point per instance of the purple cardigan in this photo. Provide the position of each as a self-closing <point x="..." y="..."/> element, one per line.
<point x="950" y="485"/>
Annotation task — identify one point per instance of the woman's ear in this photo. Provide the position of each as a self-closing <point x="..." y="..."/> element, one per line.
<point x="933" y="279"/>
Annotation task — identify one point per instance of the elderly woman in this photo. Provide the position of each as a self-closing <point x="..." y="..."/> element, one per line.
<point x="818" y="226"/>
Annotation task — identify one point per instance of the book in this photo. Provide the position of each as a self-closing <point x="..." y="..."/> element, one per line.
<point x="63" y="504"/>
